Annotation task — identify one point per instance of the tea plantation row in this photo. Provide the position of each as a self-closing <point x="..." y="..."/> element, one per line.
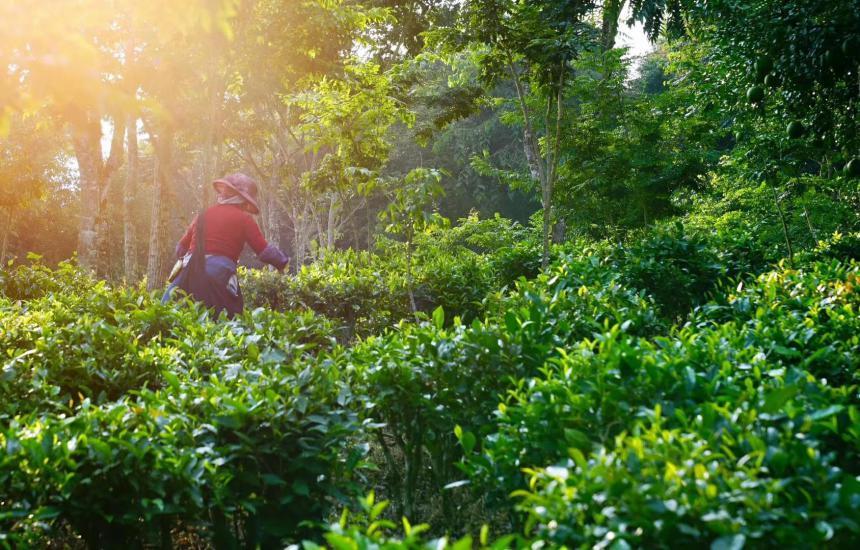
<point x="583" y="407"/>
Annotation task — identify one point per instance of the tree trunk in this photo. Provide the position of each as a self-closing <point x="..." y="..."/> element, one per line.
<point x="410" y="283"/>
<point x="273" y="219"/>
<point x="107" y="170"/>
<point x="559" y="231"/>
<point x="782" y="220"/>
<point x="211" y="151"/>
<point x="539" y="172"/>
<point x="331" y="221"/>
<point x="301" y="232"/>
<point x="88" y="152"/>
<point x="809" y="225"/>
<point x="156" y="265"/>
<point x="609" y="29"/>
<point x="129" y="236"/>
<point x="4" y="246"/>
<point x="547" y="225"/>
<point x="95" y="175"/>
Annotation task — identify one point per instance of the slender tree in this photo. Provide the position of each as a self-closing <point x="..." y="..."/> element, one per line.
<point x="129" y="196"/>
<point x="530" y="44"/>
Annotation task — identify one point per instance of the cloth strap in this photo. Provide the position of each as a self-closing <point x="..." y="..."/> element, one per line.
<point x="198" y="257"/>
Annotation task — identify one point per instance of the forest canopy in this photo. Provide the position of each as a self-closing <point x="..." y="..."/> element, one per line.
<point x="117" y="115"/>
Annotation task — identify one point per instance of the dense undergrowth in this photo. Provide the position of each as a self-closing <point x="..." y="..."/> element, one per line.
<point x="668" y="390"/>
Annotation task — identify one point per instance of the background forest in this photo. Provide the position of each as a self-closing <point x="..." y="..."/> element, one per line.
<point x="542" y="293"/>
<point x="117" y="117"/>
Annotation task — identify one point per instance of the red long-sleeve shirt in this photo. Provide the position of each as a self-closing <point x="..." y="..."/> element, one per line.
<point x="228" y="228"/>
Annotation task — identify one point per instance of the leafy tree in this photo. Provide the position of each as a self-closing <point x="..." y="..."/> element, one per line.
<point x="805" y="51"/>
<point x="261" y="122"/>
<point x="453" y="123"/>
<point x="30" y="158"/>
<point x="629" y="152"/>
<point x="402" y="36"/>
<point x="406" y="215"/>
<point x="532" y="44"/>
<point x="346" y="122"/>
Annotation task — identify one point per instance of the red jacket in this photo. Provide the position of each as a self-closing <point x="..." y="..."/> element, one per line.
<point x="228" y="228"/>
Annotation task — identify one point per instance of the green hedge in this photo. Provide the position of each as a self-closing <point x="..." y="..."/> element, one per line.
<point x="123" y="419"/>
<point x="126" y="422"/>
<point x="741" y="426"/>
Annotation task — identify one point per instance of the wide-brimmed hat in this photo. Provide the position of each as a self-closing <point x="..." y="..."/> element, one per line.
<point x="244" y="185"/>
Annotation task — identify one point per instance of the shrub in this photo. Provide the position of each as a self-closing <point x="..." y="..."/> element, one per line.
<point x="123" y="418"/>
<point x="837" y="246"/>
<point x="424" y="379"/>
<point x="814" y="207"/>
<point x="679" y="268"/>
<point x="739" y="426"/>
<point x="674" y="268"/>
<point x="742" y="426"/>
<point x="117" y="474"/>
<point x="366" y="292"/>
<point x="26" y="282"/>
<point x="521" y="260"/>
<point x="360" y="292"/>
<point x="255" y="444"/>
<point x="458" y="285"/>
<point x="57" y="352"/>
<point x="368" y="529"/>
<point x="62" y="348"/>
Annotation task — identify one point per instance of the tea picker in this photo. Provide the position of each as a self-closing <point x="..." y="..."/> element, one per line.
<point x="208" y="252"/>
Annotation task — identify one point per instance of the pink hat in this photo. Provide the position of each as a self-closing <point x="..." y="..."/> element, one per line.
<point x="241" y="184"/>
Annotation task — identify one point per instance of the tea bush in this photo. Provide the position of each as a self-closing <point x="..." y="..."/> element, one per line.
<point x="62" y="348"/>
<point x="458" y="267"/>
<point x="123" y="418"/>
<point x="836" y="246"/>
<point x="55" y="353"/>
<point x="365" y="293"/>
<point x="126" y="422"/>
<point x="422" y="380"/>
<point x="741" y="426"/>
<point x="368" y="529"/>
<point x="358" y="291"/>
<point x="34" y="280"/>
<point x="743" y="212"/>
<point x="252" y="445"/>
<point x="678" y="269"/>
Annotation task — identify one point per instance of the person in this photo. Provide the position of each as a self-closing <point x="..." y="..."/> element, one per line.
<point x="225" y="228"/>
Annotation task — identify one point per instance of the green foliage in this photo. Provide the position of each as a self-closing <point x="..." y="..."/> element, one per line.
<point x="349" y="117"/>
<point x="365" y="293"/>
<point x="666" y="386"/>
<point x="739" y="427"/>
<point x="368" y="530"/>
<point x="356" y="290"/>
<point x="422" y="380"/>
<point x="406" y="213"/>
<point x="626" y="152"/>
<point x="677" y="269"/>
<point x="233" y="446"/>
<point x="123" y="418"/>
<point x="28" y="154"/>
<point x="838" y="247"/>
<point x="26" y="282"/>
<point x="741" y="215"/>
